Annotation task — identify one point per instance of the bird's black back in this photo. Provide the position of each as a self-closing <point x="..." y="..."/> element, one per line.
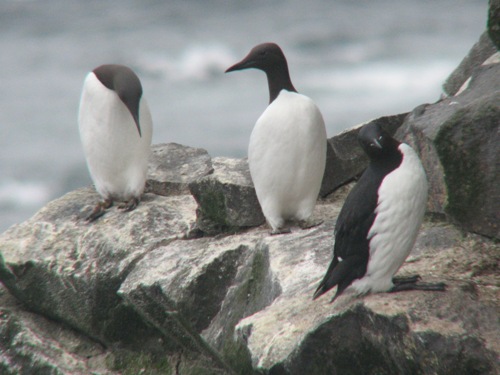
<point x="353" y="224"/>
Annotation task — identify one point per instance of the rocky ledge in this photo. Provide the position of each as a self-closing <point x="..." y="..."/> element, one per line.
<point x="191" y="282"/>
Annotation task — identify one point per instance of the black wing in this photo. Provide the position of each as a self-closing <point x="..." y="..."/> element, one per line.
<point x="351" y="250"/>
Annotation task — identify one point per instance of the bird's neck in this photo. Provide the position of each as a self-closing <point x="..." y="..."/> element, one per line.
<point x="279" y="79"/>
<point x="388" y="162"/>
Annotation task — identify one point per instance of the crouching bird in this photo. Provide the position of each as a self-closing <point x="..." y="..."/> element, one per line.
<point x="115" y="129"/>
<point x="378" y="224"/>
<point x="287" y="150"/>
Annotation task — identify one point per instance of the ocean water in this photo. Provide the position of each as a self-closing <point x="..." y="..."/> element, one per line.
<point x="356" y="59"/>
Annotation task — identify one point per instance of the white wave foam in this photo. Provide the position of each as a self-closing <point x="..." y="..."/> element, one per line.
<point x="383" y="77"/>
<point x="14" y="193"/>
<point x="196" y="62"/>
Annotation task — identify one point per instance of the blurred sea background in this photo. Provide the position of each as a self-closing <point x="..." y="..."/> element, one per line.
<point x="357" y="59"/>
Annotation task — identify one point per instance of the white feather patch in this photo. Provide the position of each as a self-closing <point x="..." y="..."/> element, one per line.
<point x="400" y="211"/>
<point x="117" y="157"/>
<point x="287" y="156"/>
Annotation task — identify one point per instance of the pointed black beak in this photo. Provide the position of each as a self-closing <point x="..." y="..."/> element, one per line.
<point x="377" y="144"/>
<point x="232" y="68"/>
<point x="133" y="108"/>
<point x="237" y="66"/>
<point x="137" y="124"/>
<point x="246" y="63"/>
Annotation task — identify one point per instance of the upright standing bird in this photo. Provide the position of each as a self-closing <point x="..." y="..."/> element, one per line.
<point x="115" y="129"/>
<point x="287" y="150"/>
<point x="378" y="224"/>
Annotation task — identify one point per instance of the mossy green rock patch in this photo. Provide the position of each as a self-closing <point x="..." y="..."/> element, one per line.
<point x="468" y="146"/>
<point x="457" y="139"/>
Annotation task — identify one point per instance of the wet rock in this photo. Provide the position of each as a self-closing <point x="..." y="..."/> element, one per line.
<point x="345" y="159"/>
<point x="456" y="139"/>
<point x="226" y="198"/>
<point x="173" y="166"/>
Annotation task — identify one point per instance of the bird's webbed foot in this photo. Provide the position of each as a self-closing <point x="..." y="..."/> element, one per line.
<point x="309" y="223"/>
<point x="99" y="210"/>
<point x="406" y="279"/>
<point x="129" y="205"/>
<point x="277" y="231"/>
<point x="407" y="284"/>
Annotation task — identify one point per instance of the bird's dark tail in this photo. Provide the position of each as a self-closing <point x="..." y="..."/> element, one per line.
<point x="320" y="291"/>
<point x="341" y="274"/>
<point x="330" y="280"/>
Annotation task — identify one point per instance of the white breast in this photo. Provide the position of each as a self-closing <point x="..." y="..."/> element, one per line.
<point x="116" y="155"/>
<point x="287" y="155"/>
<point x="400" y="211"/>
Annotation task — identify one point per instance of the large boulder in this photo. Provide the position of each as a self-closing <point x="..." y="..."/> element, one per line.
<point x="172" y="167"/>
<point x="478" y="54"/>
<point x="402" y="333"/>
<point x="33" y="344"/>
<point x="242" y="304"/>
<point x="195" y="292"/>
<point x="226" y="198"/>
<point x="458" y="139"/>
<point x="70" y="271"/>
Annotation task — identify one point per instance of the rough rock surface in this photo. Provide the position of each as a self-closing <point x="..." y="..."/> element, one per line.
<point x="66" y="269"/>
<point x="206" y="286"/>
<point x="241" y="303"/>
<point x="386" y="333"/>
<point x="456" y="139"/>
<point x="33" y="344"/>
<point x="173" y="166"/>
<point x="478" y="54"/>
<point x="226" y="198"/>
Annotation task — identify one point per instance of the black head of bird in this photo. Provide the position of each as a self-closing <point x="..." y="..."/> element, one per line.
<point x="376" y="142"/>
<point x="122" y="80"/>
<point x="269" y="58"/>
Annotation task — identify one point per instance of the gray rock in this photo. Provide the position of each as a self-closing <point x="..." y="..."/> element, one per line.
<point x="345" y="159"/>
<point x="409" y="332"/>
<point x="203" y="287"/>
<point x="494" y="22"/>
<point x="241" y="304"/>
<point x="69" y="270"/>
<point x="468" y="149"/>
<point x="478" y="54"/>
<point x="172" y="167"/>
<point x="457" y="139"/>
<point x="226" y="198"/>
<point x="32" y="344"/>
